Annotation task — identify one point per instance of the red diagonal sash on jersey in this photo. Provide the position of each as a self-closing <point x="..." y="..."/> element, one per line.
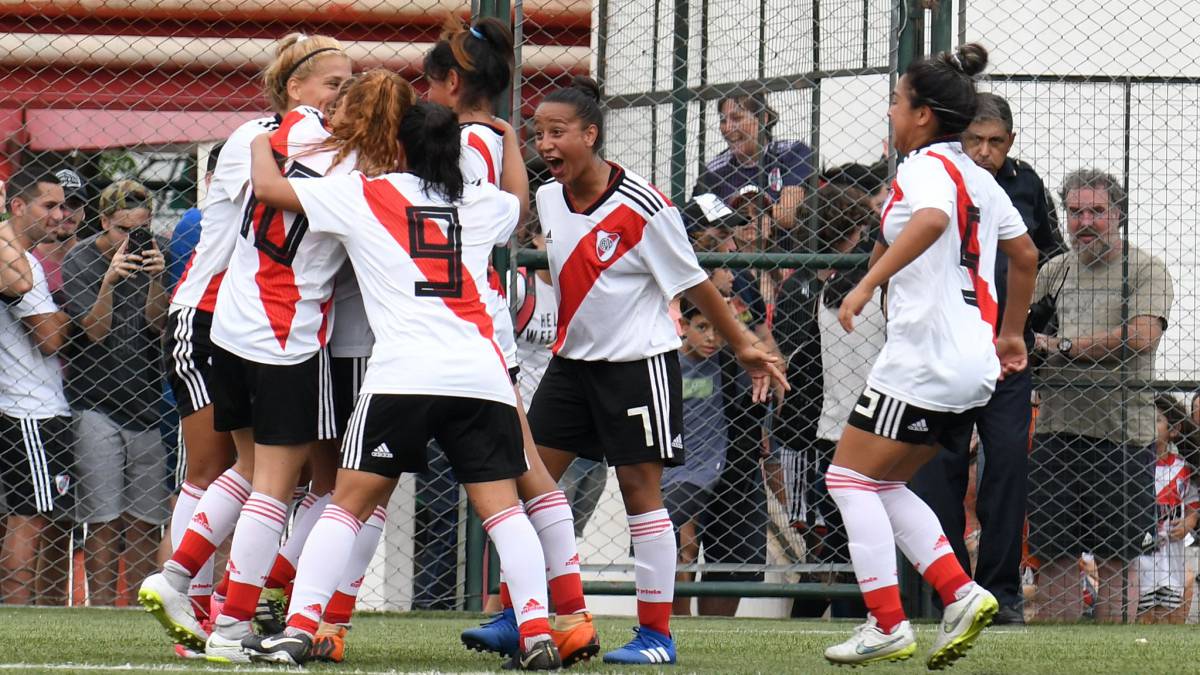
<point x="983" y="296"/>
<point x="583" y="266"/>
<point x="389" y="205"/>
<point x="476" y="142"/>
<point x="277" y="282"/>
<point x="896" y="195"/>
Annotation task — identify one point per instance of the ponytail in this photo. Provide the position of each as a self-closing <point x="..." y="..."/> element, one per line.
<point x="482" y="55"/>
<point x="432" y="145"/>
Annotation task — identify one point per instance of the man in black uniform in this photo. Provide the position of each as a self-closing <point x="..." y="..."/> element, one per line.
<point x="1003" y="425"/>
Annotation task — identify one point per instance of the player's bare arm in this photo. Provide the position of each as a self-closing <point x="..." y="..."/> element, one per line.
<point x="925" y="227"/>
<point x="270" y="187"/>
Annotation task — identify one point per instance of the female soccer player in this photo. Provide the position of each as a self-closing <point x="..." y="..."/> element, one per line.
<point x="941" y="226"/>
<point x="305" y="72"/>
<point x="419" y="242"/>
<point x="618" y="254"/>
<point x="467" y="69"/>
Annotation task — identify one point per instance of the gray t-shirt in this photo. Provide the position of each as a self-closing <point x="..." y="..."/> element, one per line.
<point x="1090" y="303"/>
<point x="121" y="375"/>
<point x="705" y="430"/>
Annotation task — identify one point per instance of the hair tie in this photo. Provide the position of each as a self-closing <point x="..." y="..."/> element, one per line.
<point x="957" y="63"/>
<point x="288" y="75"/>
<point x="302" y="38"/>
<point x="477" y="33"/>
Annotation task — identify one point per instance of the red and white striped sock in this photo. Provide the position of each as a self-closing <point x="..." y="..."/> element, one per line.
<point x="213" y="519"/>
<point x="284" y="569"/>
<point x="555" y="524"/>
<point x="521" y="558"/>
<point x="200" y="588"/>
<point x="341" y="604"/>
<point x="920" y="536"/>
<point x="255" y="543"/>
<point x="322" y="566"/>
<point x="871" y="542"/>
<point x="654" y="553"/>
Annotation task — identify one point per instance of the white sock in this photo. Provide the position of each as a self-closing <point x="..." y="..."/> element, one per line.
<point x="523" y="563"/>
<point x="363" y="551"/>
<point x="256" y="539"/>
<point x="871" y="541"/>
<point x="185" y="507"/>
<point x="214" y="517"/>
<point x="302" y="526"/>
<point x="323" y="564"/>
<point x="555" y="524"/>
<point x="654" y="558"/>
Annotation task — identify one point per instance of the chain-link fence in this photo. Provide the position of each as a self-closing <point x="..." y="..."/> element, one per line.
<point x="777" y="110"/>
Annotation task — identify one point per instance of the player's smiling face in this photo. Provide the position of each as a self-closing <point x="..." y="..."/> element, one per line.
<point x="562" y="140"/>
<point x="320" y="87"/>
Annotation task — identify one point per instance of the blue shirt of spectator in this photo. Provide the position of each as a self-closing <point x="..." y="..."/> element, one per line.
<point x="705" y="429"/>
<point x="183" y="241"/>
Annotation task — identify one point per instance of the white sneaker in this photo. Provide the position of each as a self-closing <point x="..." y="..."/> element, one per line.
<point x="225" y="643"/>
<point x="962" y="622"/>
<point x="871" y="645"/>
<point x="173" y="609"/>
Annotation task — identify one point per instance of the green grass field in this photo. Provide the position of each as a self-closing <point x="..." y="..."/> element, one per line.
<point x="97" y="640"/>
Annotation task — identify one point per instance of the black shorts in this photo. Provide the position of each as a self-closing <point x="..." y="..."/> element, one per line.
<point x="620" y="412"/>
<point x="388" y="435"/>
<point x="284" y="405"/>
<point x="1090" y="495"/>
<point x="889" y="417"/>
<point x="187" y="357"/>
<point x="35" y="465"/>
<point x="348" y="374"/>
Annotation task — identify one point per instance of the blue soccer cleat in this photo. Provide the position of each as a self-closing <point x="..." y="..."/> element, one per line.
<point x="648" y="647"/>
<point x="500" y="634"/>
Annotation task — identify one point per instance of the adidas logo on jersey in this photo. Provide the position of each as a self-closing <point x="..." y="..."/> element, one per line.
<point x="919" y="425"/>
<point x="677" y="442"/>
<point x="532" y="606"/>
<point x="202" y="520"/>
<point x="382" y="451"/>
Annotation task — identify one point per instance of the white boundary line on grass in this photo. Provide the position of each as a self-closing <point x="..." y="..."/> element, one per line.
<point x="198" y="666"/>
<point x="822" y="631"/>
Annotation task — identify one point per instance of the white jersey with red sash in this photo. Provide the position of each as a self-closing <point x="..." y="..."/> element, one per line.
<point x="274" y="302"/>
<point x="422" y="266"/>
<point x="941" y="309"/>
<point x="616" y="264"/>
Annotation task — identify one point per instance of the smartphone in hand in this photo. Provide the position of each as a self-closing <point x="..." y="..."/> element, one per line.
<point x="141" y="240"/>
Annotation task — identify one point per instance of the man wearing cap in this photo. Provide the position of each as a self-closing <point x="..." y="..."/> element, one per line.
<point x="51" y="252"/>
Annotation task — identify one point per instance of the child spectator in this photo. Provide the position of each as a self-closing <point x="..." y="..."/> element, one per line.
<point x="1164" y="584"/>
<point x="688" y="489"/>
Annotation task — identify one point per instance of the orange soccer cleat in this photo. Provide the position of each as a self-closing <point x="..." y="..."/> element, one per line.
<point x="578" y="642"/>
<point x="329" y="644"/>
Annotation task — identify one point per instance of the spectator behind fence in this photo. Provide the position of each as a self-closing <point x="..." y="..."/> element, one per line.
<point x="51" y="251"/>
<point x="35" y="439"/>
<point x="1003" y="424"/>
<point x="113" y="284"/>
<point x="1090" y="480"/>
<point x="747" y="125"/>
<point x="1165" y="584"/>
<point x="688" y="490"/>
<point x="828" y="369"/>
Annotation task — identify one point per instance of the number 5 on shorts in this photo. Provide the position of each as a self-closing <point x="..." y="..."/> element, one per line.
<point x="644" y="411"/>
<point x="868" y="410"/>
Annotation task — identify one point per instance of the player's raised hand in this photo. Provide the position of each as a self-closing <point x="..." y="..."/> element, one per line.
<point x="764" y="372"/>
<point x="1012" y="355"/>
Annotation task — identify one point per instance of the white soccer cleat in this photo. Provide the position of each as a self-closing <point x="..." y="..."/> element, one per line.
<point x="172" y="609"/>
<point x="962" y="622"/>
<point x="225" y="643"/>
<point x="871" y="645"/>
